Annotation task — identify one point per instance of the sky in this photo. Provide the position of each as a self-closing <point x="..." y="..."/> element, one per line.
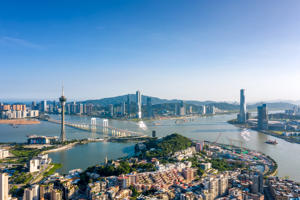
<point x="190" y="50"/>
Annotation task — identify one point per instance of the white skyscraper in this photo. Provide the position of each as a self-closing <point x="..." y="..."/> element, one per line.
<point x="44" y="106"/>
<point x="242" y="115"/>
<point x="3" y="186"/>
<point x="139" y="104"/>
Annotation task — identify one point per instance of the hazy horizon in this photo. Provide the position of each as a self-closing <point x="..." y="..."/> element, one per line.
<point x="29" y="100"/>
<point x="195" y="50"/>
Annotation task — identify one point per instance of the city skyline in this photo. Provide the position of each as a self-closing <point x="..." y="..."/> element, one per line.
<point x="78" y="99"/>
<point x="191" y="51"/>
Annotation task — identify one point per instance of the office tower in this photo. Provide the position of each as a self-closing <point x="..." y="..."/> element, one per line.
<point x="211" y="109"/>
<point x="111" y="110"/>
<point x="262" y="117"/>
<point x="123" y="108"/>
<point x="54" y="106"/>
<point x="203" y="109"/>
<point x="176" y="109"/>
<point x="128" y="105"/>
<point x="182" y="109"/>
<point x="89" y="108"/>
<point x="74" y="107"/>
<point x="242" y="114"/>
<point x="68" y="108"/>
<point x="3" y="186"/>
<point x="33" y="105"/>
<point x="139" y="104"/>
<point x="62" y="101"/>
<point x="80" y="108"/>
<point x="149" y="107"/>
<point x="84" y="108"/>
<point x="190" y="109"/>
<point x="44" y="106"/>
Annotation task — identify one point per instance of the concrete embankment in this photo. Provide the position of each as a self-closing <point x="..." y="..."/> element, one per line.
<point x="19" y="121"/>
<point x="61" y="148"/>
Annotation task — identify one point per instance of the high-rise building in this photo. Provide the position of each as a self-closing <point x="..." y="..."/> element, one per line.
<point x="68" y="108"/>
<point x="211" y="110"/>
<point x="257" y="182"/>
<point x="182" y="109"/>
<point x="123" y="108"/>
<point x="42" y="192"/>
<point x="74" y="107"/>
<point x="44" y="106"/>
<point x="188" y="174"/>
<point x="203" y="110"/>
<point x="3" y="186"/>
<point x="262" y="117"/>
<point x="199" y="146"/>
<point x="28" y="194"/>
<point x="111" y="110"/>
<point x="190" y="110"/>
<point x="80" y="108"/>
<point x="176" y="109"/>
<point x="149" y="107"/>
<point x="139" y="104"/>
<point x="128" y="105"/>
<point x="89" y="108"/>
<point x="123" y="181"/>
<point x="33" y="105"/>
<point x="223" y="184"/>
<point x="242" y="114"/>
<point x="55" y="194"/>
<point x="54" y="106"/>
<point x="62" y="101"/>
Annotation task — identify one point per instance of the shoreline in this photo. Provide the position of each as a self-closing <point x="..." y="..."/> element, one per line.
<point x="61" y="148"/>
<point x="19" y="121"/>
<point x="264" y="132"/>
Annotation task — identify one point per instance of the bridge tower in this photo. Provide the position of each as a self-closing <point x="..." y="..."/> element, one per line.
<point x="105" y="125"/>
<point x="93" y="124"/>
<point x="93" y="121"/>
<point x="105" y="122"/>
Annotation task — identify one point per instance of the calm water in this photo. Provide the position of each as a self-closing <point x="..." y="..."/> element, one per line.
<point x="286" y="154"/>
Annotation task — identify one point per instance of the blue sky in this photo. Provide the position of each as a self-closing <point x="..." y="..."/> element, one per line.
<point x="197" y="50"/>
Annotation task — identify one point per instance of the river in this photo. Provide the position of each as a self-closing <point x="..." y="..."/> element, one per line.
<point x="286" y="154"/>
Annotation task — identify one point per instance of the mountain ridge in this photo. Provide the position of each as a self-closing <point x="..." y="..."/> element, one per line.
<point x="155" y="100"/>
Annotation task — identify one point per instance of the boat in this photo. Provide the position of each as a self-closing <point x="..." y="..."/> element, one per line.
<point x="271" y="142"/>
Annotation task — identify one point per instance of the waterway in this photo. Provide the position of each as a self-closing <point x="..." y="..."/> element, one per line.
<point x="286" y="154"/>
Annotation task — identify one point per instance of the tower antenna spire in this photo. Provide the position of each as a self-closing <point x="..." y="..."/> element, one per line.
<point x="62" y="88"/>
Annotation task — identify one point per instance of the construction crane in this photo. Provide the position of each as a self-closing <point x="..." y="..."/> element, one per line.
<point x="215" y="142"/>
<point x="240" y="142"/>
<point x="232" y="141"/>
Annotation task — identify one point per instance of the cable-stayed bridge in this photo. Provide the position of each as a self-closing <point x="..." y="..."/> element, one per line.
<point x="101" y="128"/>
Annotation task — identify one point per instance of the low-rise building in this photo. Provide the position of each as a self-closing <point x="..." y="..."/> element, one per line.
<point x="283" y="189"/>
<point x="38" y="163"/>
<point x="39" y="139"/>
<point x="4" y="153"/>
